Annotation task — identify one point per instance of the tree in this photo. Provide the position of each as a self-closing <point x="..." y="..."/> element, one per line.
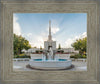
<point x="35" y="47"/>
<point x="20" y="43"/>
<point x="40" y="47"/>
<point x="59" y="47"/>
<point x="80" y="45"/>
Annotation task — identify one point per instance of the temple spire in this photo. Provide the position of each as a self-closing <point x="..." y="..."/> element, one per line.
<point x="50" y="27"/>
<point x="50" y="37"/>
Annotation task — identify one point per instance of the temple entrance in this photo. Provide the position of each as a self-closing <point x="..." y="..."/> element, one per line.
<point x="49" y="47"/>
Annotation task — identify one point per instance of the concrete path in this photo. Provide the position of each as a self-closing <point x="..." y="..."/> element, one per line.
<point x="21" y="65"/>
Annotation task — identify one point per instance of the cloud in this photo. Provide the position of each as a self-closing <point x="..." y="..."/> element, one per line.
<point x="35" y="40"/>
<point x="83" y="35"/>
<point x="29" y="34"/>
<point x="54" y="30"/>
<point x="54" y="39"/>
<point x="69" y="41"/>
<point x="38" y="40"/>
<point x="16" y="26"/>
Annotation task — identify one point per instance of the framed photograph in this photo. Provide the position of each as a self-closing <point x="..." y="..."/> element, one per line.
<point x="63" y="49"/>
<point x="50" y="42"/>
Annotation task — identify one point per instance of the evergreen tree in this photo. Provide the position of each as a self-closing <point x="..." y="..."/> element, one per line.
<point x="59" y="47"/>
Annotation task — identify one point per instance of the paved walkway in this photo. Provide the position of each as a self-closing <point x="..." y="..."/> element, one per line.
<point x="21" y="65"/>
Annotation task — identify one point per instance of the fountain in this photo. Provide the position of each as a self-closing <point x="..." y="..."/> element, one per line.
<point x="50" y="61"/>
<point x="49" y="58"/>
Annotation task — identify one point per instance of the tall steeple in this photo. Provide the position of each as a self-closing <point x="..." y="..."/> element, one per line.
<point x="49" y="36"/>
<point x="49" y="43"/>
<point x="50" y="27"/>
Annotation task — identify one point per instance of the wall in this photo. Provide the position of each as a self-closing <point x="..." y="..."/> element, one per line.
<point x="60" y="56"/>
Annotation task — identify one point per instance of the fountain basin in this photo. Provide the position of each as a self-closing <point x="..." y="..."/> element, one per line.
<point x="50" y="64"/>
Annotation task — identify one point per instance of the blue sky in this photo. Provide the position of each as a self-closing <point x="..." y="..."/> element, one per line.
<point x="66" y="27"/>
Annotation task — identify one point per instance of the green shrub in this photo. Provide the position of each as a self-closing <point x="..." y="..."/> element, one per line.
<point x="24" y="56"/>
<point x="72" y="56"/>
<point x="84" y="56"/>
<point x="21" y="54"/>
<point x="37" y="51"/>
<point x="76" y="56"/>
<point x="58" y="51"/>
<point x="62" y="51"/>
<point x="79" y="56"/>
<point x="41" y="51"/>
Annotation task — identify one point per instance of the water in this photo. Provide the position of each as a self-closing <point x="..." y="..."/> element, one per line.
<point x="49" y="60"/>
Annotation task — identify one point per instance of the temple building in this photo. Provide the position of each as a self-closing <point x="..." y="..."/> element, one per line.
<point x="49" y="43"/>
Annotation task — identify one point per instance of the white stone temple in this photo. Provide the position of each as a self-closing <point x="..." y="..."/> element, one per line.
<point x="49" y="43"/>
